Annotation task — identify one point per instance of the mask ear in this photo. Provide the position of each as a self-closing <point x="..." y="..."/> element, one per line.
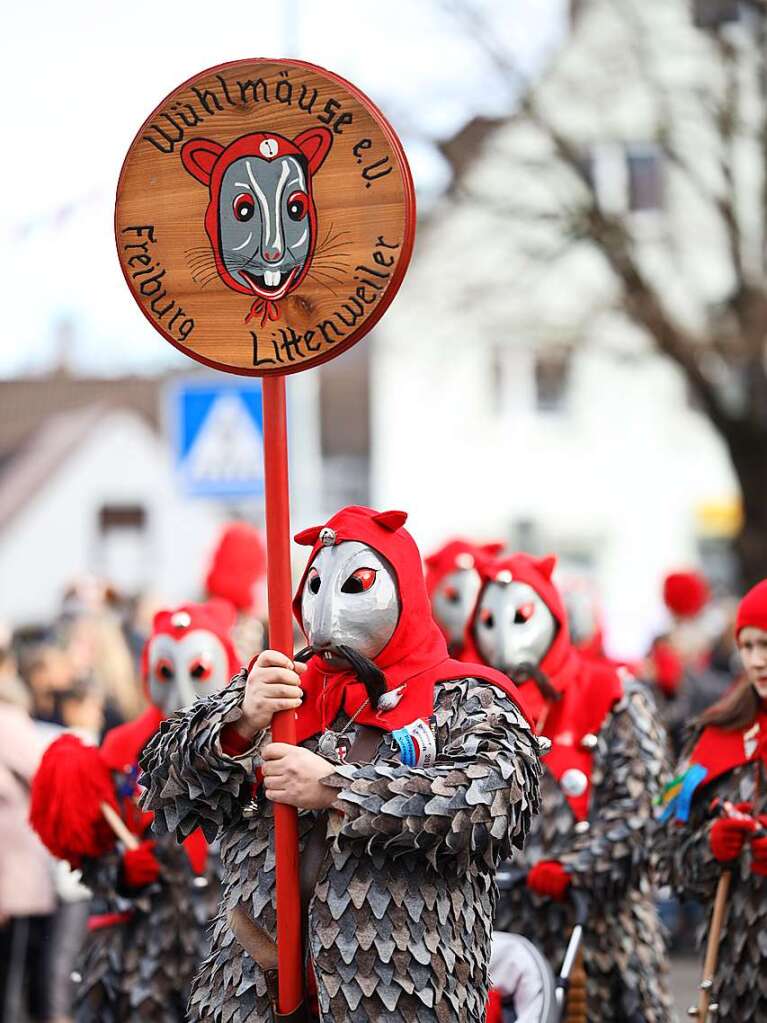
<point x="315" y="145"/>
<point x="547" y="565"/>
<point x="391" y="520"/>
<point x="431" y="561"/>
<point x="198" y="157"/>
<point x="308" y="537"/>
<point x="493" y="548"/>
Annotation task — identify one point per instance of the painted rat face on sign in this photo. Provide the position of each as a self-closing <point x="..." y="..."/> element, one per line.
<point x="349" y="599"/>
<point x="513" y="626"/>
<point x="261" y="219"/>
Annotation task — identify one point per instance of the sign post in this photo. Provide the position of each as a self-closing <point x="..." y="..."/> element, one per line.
<point x="264" y="221"/>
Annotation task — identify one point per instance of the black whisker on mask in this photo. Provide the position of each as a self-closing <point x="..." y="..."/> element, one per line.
<point x="367" y="672"/>
<point x="531" y="672"/>
<point x="304" y="655"/>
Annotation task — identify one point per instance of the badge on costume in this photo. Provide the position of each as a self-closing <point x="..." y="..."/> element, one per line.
<point x="574" y="782"/>
<point x="416" y="744"/>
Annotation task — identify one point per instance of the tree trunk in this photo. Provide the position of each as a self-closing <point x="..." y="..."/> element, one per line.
<point x="747" y="443"/>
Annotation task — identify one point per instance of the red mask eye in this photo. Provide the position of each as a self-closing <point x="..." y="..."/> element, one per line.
<point x="164" y="670"/>
<point x="523" y="613"/>
<point x="451" y="594"/>
<point x="313" y="581"/>
<point x="359" y="581"/>
<point x="486" y="617"/>
<point x="298" y="205"/>
<point x="243" y="206"/>
<point x="201" y="669"/>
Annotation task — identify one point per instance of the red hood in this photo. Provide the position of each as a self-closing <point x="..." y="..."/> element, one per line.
<point x="238" y="563"/>
<point x="415" y="655"/>
<point x="216" y="616"/>
<point x="454" y="555"/>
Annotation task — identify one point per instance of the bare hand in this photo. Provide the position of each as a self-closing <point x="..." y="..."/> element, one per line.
<point x="292" y="775"/>
<point x="273" y="685"/>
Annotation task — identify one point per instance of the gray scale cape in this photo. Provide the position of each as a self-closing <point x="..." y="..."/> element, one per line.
<point x="623" y="944"/>
<point x="740" y="984"/>
<point x="141" y="971"/>
<point x="400" y="922"/>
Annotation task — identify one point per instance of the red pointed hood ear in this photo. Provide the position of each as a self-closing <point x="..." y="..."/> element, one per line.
<point x="315" y="145"/>
<point x="391" y="520"/>
<point x="431" y="560"/>
<point x="547" y="565"/>
<point x="493" y="548"/>
<point x="308" y="537"/>
<point x="198" y="157"/>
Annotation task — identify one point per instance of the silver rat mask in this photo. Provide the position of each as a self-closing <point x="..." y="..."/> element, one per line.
<point x="513" y="625"/>
<point x="350" y="598"/>
<point x="453" y="601"/>
<point x="181" y="670"/>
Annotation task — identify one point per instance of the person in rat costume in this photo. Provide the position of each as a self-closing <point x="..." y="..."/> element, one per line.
<point x="151" y="901"/>
<point x="414" y="776"/>
<point x="716" y="819"/>
<point x="453" y="582"/>
<point x="603" y="770"/>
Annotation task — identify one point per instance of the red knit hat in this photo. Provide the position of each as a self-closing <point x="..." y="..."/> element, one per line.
<point x="685" y="594"/>
<point x="752" y="610"/>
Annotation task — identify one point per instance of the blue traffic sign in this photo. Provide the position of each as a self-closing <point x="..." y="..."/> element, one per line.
<point x="217" y="436"/>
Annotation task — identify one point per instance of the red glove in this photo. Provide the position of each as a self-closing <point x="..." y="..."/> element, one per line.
<point x="549" y="878"/>
<point x="728" y="837"/>
<point x="140" y="866"/>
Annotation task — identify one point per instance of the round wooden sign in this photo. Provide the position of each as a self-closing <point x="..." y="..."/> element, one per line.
<point x="265" y="216"/>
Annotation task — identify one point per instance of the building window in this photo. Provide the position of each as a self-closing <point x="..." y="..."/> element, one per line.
<point x="645" y="178"/>
<point x="713" y="13"/>
<point x="552" y="376"/>
<point x="123" y="557"/>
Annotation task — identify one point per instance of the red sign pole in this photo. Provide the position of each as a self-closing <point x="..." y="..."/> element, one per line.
<point x="280" y="590"/>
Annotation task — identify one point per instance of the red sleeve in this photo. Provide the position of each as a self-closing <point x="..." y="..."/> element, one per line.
<point x="232" y="743"/>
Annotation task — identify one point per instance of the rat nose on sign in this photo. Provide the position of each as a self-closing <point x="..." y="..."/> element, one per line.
<point x="311" y="155"/>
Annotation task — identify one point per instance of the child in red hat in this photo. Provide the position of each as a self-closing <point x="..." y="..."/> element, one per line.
<point x="716" y="815"/>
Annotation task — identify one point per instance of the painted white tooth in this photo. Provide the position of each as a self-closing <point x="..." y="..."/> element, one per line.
<point x="272" y="278"/>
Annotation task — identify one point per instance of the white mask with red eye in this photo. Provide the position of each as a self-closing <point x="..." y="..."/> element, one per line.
<point x="350" y="598"/>
<point x="453" y="601"/>
<point x="185" y="666"/>
<point x="513" y="625"/>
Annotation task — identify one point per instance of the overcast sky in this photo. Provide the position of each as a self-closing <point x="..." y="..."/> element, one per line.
<point x="80" y="77"/>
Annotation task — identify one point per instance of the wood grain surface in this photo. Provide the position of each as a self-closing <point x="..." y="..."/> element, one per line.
<point x="175" y="227"/>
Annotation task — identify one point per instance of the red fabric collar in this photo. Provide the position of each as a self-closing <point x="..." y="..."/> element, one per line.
<point x="414" y="658"/>
<point x="720" y="750"/>
<point x="592" y="691"/>
<point x="122" y="745"/>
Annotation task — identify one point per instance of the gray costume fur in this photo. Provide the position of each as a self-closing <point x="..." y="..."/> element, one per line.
<point x="400" y="923"/>
<point x="609" y="856"/>
<point x="740" y="984"/>
<point x="141" y="970"/>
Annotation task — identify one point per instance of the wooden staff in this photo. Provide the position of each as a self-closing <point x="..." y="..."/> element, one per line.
<point x="712" y="949"/>
<point x="571" y="982"/>
<point x="118" y="825"/>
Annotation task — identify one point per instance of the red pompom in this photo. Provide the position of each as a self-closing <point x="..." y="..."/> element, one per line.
<point x="238" y="563"/>
<point x="549" y="878"/>
<point x="685" y="594"/>
<point x="68" y="789"/>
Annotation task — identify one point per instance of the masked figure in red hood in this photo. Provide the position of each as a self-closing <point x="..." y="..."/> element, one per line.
<point x="415" y="775"/>
<point x="453" y="581"/>
<point x="152" y="898"/>
<point x="603" y="771"/>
